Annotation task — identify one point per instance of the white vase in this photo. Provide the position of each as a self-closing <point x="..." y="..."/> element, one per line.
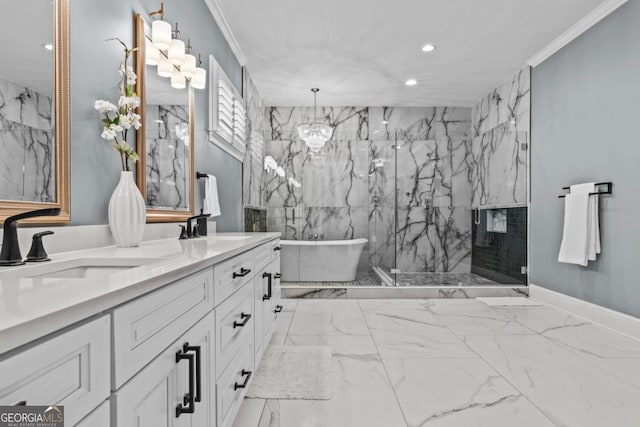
<point x="127" y="212"/>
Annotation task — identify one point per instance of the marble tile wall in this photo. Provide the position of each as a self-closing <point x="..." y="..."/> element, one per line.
<point x="27" y="148"/>
<point x="168" y="165"/>
<point x="349" y="190"/>
<point x="254" y="156"/>
<point x="501" y="127"/>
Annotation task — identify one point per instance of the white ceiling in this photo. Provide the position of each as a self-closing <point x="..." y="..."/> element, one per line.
<point x="360" y="52"/>
<point x="26" y="25"/>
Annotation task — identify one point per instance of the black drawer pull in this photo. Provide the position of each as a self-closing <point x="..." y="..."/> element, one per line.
<point x="246" y="380"/>
<point x="267" y="296"/>
<point x="277" y="248"/>
<point x="243" y="272"/>
<point x="188" y="405"/>
<point x="21" y="403"/>
<point x="245" y="318"/>
<point x="187" y="348"/>
<point x="277" y="276"/>
<point x="278" y="309"/>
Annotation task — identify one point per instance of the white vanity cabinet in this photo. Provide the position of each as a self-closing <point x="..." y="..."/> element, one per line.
<point x="71" y="369"/>
<point x="180" y="355"/>
<point x="176" y="388"/>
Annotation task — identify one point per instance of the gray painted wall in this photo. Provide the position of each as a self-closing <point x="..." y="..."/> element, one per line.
<point x="95" y="167"/>
<point x="585" y="111"/>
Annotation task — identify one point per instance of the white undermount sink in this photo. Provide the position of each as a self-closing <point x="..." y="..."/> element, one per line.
<point x="85" y="268"/>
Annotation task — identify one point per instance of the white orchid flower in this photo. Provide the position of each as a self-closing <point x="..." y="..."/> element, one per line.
<point x="108" y="134"/>
<point x="129" y="100"/>
<point x="104" y="106"/>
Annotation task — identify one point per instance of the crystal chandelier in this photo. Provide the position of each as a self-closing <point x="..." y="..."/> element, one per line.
<point x="315" y="134"/>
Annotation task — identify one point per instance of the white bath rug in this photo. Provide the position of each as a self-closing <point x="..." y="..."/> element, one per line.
<point x="292" y="372"/>
<point x="497" y="301"/>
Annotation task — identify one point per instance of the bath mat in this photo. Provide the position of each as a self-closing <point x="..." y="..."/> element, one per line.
<point x="498" y="301"/>
<point x="292" y="372"/>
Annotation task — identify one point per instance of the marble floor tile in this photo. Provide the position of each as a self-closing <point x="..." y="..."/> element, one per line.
<point x="475" y="318"/>
<point x="627" y="370"/>
<point x="333" y="317"/>
<point x="361" y="397"/>
<point x="459" y="392"/>
<point x="541" y="318"/>
<point x="406" y="329"/>
<point x="568" y="389"/>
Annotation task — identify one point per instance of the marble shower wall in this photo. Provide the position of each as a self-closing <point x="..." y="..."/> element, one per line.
<point x="27" y="147"/>
<point x="168" y="161"/>
<point x="349" y="190"/>
<point x="501" y="128"/>
<point x="252" y="184"/>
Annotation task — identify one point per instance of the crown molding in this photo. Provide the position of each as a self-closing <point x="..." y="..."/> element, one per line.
<point x="592" y="18"/>
<point x="216" y="12"/>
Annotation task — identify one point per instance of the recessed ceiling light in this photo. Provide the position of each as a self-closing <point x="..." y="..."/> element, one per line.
<point x="411" y="82"/>
<point x="428" y="47"/>
<point x="48" y="46"/>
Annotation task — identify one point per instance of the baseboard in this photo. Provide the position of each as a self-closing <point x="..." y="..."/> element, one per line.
<point x="619" y="322"/>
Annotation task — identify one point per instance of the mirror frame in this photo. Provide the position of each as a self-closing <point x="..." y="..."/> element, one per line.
<point x="62" y="99"/>
<point x="158" y="215"/>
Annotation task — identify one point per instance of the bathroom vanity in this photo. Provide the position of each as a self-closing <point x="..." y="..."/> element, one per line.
<point x="168" y="333"/>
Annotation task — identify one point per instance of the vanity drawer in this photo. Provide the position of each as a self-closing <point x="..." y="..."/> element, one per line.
<point x="235" y="320"/>
<point x="232" y="385"/>
<point x="71" y="369"/>
<point x="263" y="256"/>
<point x="143" y="328"/>
<point x="231" y="274"/>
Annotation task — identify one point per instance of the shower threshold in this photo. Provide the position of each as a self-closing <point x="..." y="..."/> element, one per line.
<point x="379" y="284"/>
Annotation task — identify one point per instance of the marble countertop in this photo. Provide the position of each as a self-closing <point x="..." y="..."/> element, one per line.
<point x="31" y="308"/>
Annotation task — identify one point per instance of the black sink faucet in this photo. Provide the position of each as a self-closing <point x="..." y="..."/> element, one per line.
<point x="10" y="254"/>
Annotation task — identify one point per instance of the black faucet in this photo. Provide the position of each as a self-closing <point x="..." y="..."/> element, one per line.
<point x="10" y="254"/>
<point x="192" y="232"/>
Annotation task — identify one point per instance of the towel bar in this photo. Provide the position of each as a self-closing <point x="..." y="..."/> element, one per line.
<point x="609" y="189"/>
<point x="201" y="175"/>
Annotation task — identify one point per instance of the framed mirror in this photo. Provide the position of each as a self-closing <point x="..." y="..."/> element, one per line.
<point x="34" y="108"/>
<point x="165" y="173"/>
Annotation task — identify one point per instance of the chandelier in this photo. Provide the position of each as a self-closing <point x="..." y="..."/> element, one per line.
<point x="315" y="134"/>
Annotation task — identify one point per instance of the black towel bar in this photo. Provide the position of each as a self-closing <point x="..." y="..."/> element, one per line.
<point x="201" y="175"/>
<point x="609" y="189"/>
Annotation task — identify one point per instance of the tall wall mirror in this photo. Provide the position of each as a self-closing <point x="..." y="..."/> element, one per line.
<point x="165" y="174"/>
<point x="34" y="108"/>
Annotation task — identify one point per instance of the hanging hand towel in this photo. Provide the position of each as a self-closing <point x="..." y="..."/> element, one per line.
<point x="594" y="219"/>
<point x="575" y="236"/>
<point x="210" y="203"/>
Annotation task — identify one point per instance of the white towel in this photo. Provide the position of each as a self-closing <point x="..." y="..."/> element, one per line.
<point x="211" y="203"/>
<point x="574" y="248"/>
<point x="594" y="219"/>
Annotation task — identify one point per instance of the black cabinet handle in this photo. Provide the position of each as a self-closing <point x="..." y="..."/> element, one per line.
<point x="267" y="296"/>
<point x="245" y="318"/>
<point x="243" y="272"/>
<point x="278" y="309"/>
<point x="187" y="406"/>
<point x="187" y="348"/>
<point x="246" y="380"/>
<point x="277" y="248"/>
<point x="21" y="403"/>
<point x="277" y="275"/>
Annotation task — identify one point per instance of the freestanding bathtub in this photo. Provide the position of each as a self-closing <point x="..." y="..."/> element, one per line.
<point x="320" y="260"/>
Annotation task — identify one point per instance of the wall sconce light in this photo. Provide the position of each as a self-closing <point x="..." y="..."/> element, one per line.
<point x="188" y="68"/>
<point x="160" y="30"/>
<point x="176" y="51"/>
<point x="177" y="79"/>
<point x="199" y="79"/>
<point x="151" y="53"/>
<point x="165" y="68"/>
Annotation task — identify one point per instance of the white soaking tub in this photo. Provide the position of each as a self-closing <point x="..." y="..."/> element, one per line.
<point x="320" y="260"/>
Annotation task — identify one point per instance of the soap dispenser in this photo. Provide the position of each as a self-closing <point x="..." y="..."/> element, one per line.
<point x="202" y="223"/>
